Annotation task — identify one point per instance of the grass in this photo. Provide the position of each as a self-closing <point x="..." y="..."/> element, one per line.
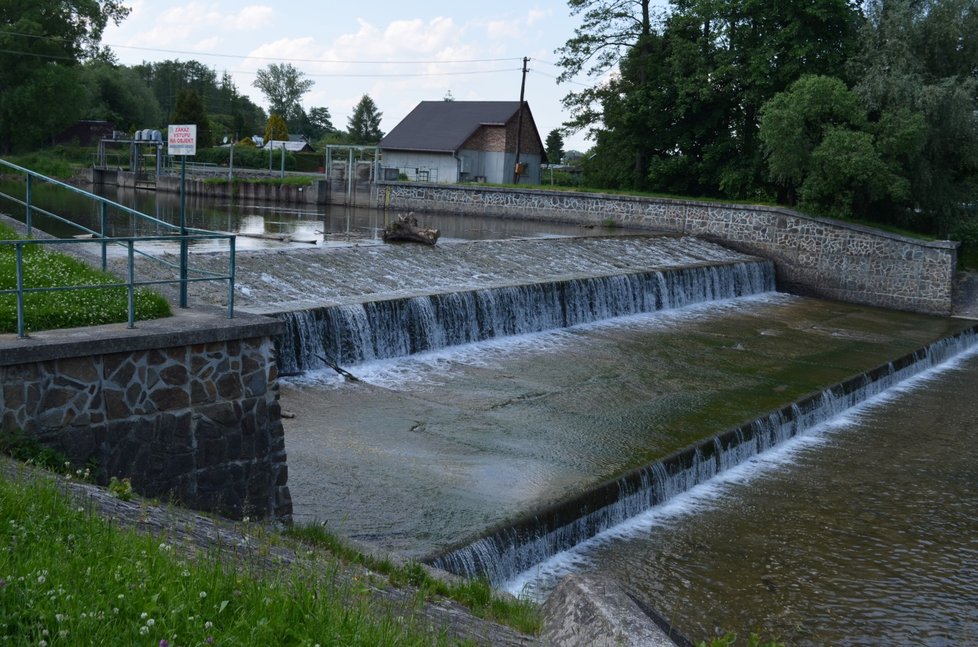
<point x="476" y="595"/>
<point x="67" y="577"/>
<point x="30" y="510"/>
<point x="60" y="162"/>
<point x="66" y="309"/>
<point x="289" y="180"/>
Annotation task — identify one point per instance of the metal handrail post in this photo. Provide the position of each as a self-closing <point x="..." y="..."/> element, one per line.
<point x="27" y="199"/>
<point x="231" y="271"/>
<point x="183" y="232"/>
<point x="104" y="228"/>
<point x="19" y="254"/>
<point x="130" y="280"/>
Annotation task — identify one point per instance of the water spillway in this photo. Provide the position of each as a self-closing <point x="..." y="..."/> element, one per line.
<point x="503" y="553"/>
<point x="357" y="332"/>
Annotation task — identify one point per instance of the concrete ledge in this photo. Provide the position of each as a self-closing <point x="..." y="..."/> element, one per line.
<point x="200" y="325"/>
<point x="587" y="610"/>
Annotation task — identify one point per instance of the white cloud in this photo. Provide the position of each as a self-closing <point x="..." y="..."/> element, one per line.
<point x="252" y="17"/>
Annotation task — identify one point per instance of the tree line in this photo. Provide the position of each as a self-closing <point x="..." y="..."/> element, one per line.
<point x="856" y="109"/>
<point x="53" y="73"/>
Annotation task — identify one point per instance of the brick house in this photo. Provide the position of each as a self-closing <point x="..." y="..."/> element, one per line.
<point x="464" y="141"/>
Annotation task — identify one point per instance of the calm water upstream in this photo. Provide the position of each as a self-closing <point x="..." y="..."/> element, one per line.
<point x="325" y="225"/>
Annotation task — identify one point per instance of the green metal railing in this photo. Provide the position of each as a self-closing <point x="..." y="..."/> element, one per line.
<point x="181" y="234"/>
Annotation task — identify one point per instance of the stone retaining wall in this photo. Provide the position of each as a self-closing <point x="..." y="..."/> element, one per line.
<point x="814" y="256"/>
<point x="186" y="407"/>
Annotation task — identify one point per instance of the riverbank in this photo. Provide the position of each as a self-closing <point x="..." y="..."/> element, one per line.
<point x="258" y="551"/>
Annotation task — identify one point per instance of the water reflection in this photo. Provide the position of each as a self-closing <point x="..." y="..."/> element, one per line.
<point x="264" y="225"/>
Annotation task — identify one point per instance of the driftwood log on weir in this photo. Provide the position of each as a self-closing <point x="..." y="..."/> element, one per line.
<point x="406" y="228"/>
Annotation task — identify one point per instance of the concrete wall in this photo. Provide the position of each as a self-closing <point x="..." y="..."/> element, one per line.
<point x="814" y="256"/>
<point x="440" y="167"/>
<point x="186" y="407"/>
<point x="247" y="191"/>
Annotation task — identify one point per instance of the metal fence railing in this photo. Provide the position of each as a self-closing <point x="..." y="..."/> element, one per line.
<point x="184" y="236"/>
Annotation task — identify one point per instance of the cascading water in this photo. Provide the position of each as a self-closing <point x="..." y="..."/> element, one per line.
<point x="515" y="548"/>
<point x="382" y="329"/>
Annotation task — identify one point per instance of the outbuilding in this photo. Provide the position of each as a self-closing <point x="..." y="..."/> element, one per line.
<point x="465" y="141"/>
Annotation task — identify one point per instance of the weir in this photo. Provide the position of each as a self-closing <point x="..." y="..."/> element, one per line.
<point x="386" y="328"/>
<point x="513" y="548"/>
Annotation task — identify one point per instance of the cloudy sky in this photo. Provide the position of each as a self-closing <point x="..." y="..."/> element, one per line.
<point x="399" y="53"/>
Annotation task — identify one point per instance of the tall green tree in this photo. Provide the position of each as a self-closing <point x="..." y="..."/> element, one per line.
<point x="363" y="125"/>
<point x="685" y="104"/>
<point x="918" y="64"/>
<point x="555" y="146"/>
<point x="42" y="43"/>
<point x="283" y="86"/>
<point x="189" y="109"/>
<point x="320" y="123"/>
<point x="119" y="95"/>
<point x="826" y="155"/>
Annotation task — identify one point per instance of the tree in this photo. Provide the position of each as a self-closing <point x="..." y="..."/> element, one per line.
<point x="364" y="124"/>
<point x="41" y="44"/>
<point x="119" y="95"/>
<point x="283" y="86"/>
<point x="610" y="29"/>
<point x="555" y="146"/>
<point x="825" y="154"/>
<point x="684" y="105"/>
<point x="320" y="123"/>
<point x="795" y="122"/>
<point x="275" y="129"/>
<point x="190" y="110"/>
<point x="916" y="70"/>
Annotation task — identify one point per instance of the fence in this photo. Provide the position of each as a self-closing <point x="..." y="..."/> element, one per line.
<point x="183" y="235"/>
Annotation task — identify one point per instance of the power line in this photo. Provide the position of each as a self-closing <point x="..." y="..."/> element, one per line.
<point x="393" y="75"/>
<point x="315" y="60"/>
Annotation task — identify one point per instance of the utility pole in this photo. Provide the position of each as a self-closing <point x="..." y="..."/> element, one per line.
<point x="518" y="168"/>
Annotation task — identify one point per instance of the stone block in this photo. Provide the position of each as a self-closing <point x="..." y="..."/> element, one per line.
<point x="593" y="611"/>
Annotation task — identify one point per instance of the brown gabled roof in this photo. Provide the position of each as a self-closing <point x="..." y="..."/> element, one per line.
<point x="444" y="126"/>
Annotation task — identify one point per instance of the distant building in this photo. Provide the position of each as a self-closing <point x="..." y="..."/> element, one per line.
<point x="295" y="144"/>
<point x="86" y="133"/>
<point x="464" y="141"/>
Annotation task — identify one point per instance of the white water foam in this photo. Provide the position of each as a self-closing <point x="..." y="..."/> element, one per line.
<point x="536" y="583"/>
<point x="432" y="368"/>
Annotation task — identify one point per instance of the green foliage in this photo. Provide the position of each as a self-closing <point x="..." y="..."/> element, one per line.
<point x="915" y="74"/>
<point x="166" y="79"/>
<point x="41" y="44"/>
<point x="551" y="177"/>
<point x="730" y="640"/>
<point x="245" y="156"/>
<point x="189" y="109"/>
<point x="67" y="577"/>
<point x="51" y="162"/>
<point x="275" y="129"/>
<point x="363" y="126"/>
<point x="475" y="594"/>
<point x="965" y="231"/>
<point x="17" y="444"/>
<point x="121" y="488"/>
<point x="682" y="115"/>
<point x="555" y="146"/>
<point x="283" y="86"/>
<point x="66" y="309"/>
<point x="119" y="95"/>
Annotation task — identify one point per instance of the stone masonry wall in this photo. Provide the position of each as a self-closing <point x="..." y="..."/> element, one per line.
<point x="198" y="422"/>
<point x="814" y="256"/>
